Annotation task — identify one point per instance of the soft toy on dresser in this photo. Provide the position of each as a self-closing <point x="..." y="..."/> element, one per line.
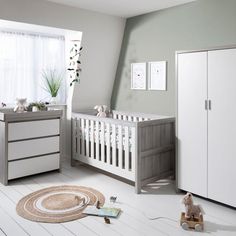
<point x="20" y="105"/>
<point x="193" y="216"/>
<point x="101" y="110"/>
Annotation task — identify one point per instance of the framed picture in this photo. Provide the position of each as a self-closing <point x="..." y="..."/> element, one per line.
<point x="157" y="75"/>
<point x="138" y="76"/>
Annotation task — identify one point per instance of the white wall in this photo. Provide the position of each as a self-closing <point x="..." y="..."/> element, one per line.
<point x="102" y="37"/>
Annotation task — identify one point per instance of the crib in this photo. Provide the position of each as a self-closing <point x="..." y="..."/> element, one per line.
<point x="137" y="147"/>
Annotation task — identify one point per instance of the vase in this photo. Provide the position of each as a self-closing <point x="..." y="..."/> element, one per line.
<point x="53" y="100"/>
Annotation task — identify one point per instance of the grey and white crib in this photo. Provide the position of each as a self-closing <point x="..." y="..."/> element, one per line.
<point x="138" y="147"/>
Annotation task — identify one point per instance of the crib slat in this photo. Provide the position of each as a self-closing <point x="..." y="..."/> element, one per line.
<point x="114" y="115"/>
<point x="74" y="137"/>
<point x="87" y="137"/>
<point x="135" y="119"/>
<point x="82" y="137"/>
<point x="129" y="118"/>
<point x="113" y="145"/>
<point x="102" y="142"/>
<point x="126" y="148"/>
<point x="140" y="119"/>
<point x="133" y="143"/>
<point x="77" y="125"/>
<point x="119" y="117"/>
<point x="120" y="144"/>
<point x="92" y="137"/>
<point x="108" y="143"/>
<point x="97" y="140"/>
<point x="124" y="117"/>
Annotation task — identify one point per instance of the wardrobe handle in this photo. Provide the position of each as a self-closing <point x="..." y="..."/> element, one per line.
<point x="206" y="105"/>
<point x="209" y="104"/>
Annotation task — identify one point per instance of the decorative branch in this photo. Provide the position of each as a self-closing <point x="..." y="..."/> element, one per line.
<point x="74" y="65"/>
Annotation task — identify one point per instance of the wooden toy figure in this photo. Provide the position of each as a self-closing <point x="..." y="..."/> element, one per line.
<point x="193" y="216"/>
<point x="107" y="220"/>
<point x="113" y="199"/>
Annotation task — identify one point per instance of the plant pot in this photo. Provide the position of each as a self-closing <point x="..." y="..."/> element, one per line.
<point x="35" y="108"/>
<point x="53" y="100"/>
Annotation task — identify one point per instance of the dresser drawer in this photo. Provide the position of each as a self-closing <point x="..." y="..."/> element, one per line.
<point x="33" y="129"/>
<point x="32" y="166"/>
<point x="33" y="147"/>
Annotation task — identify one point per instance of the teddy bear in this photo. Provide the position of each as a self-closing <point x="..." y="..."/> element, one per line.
<point x="20" y="105"/>
<point x="101" y="110"/>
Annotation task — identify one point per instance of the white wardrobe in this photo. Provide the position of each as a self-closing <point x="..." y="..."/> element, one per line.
<point x="206" y="123"/>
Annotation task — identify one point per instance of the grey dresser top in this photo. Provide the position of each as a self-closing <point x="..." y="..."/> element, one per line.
<point x="9" y="115"/>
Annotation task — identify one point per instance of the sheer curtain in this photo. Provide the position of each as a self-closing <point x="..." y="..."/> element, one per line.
<point x="23" y="58"/>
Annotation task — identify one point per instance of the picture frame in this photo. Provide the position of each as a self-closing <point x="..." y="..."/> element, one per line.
<point x="138" y="76"/>
<point x="157" y="75"/>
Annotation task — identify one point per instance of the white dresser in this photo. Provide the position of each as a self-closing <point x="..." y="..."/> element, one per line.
<point x="29" y="143"/>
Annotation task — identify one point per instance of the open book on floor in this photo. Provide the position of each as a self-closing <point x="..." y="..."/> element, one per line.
<point x="103" y="211"/>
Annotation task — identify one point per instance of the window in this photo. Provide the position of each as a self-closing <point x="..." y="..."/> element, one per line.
<point x="23" y="58"/>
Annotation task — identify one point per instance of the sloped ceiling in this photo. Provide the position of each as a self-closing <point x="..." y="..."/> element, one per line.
<point x="122" y="8"/>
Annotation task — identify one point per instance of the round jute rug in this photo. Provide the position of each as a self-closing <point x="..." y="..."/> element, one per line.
<point x="58" y="204"/>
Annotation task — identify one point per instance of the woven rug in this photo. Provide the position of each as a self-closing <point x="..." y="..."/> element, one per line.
<point x="58" y="204"/>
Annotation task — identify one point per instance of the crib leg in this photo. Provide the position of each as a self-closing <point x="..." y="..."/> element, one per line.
<point x="72" y="162"/>
<point x="137" y="187"/>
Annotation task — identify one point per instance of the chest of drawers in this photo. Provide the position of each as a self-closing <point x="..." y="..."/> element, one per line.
<point x="29" y="143"/>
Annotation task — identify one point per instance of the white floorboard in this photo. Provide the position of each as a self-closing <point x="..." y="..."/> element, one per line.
<point x="158" y="200"/>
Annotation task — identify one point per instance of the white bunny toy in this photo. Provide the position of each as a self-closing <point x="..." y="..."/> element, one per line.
<point x="20" y="105"/>
<point x="101" y="110"/>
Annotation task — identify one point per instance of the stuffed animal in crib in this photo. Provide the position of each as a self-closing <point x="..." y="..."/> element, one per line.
<point x="191" y="211"/>
<point x="20" y="105"/>
<point x="101" y="110"/>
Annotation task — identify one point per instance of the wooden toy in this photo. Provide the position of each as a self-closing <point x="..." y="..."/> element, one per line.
<point x="107" y="220"/>
<point x="192" y="223"/>
<point x="113" y="199"/>
<point x="193" y="215"/>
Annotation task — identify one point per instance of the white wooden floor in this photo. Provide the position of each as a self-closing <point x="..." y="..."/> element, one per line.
<point x="159" y="199"/>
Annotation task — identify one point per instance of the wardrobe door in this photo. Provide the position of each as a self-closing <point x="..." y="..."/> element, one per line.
<point x="192" y="122"/>
<point x="222" y="126"/>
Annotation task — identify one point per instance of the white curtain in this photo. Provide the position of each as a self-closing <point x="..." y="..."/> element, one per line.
<point x="23" y="58"/>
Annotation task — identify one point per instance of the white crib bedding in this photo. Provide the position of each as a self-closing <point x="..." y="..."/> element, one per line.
<point x="107" y="135"/>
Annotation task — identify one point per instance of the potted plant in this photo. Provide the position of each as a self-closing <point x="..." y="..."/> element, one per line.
<point x="36" y="106"/>
<point x="52" y="82"/>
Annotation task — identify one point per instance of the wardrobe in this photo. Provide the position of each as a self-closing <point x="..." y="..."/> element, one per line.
<point x="206" y="123"/>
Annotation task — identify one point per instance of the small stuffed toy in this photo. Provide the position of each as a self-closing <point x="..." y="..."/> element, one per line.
<point x="191" y="211"/>
<point x="4" y="104"/>
<point x="101" y="110"/>
<point x="107" y="220"/>
<point x="113" y="199"/>
<point x="20" y="105"/>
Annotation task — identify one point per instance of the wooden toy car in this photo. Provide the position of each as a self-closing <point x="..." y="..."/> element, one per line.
<point x="192" y="223"/>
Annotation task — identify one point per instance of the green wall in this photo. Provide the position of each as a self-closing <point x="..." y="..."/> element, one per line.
<point x="156" y="36"/>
